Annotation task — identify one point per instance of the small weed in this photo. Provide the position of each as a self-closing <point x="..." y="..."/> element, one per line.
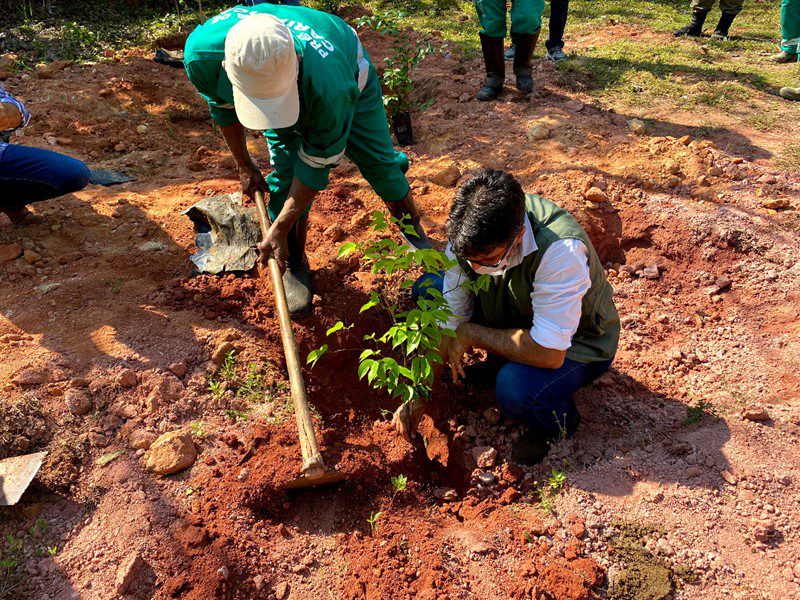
<point x="400" y="484"/>
<point x="373" y="522"/>
<point x="38" y="528"/>
<point x="237" y="415"/>
<point x="695" y="414"/>
<point x="216" y="387"/>
<point x="52" y="550"/>
<point x="197" y="429"/>
<point x="253" y="388"/>
<point x="228" y="369"/>
<point x="557" y="480"/>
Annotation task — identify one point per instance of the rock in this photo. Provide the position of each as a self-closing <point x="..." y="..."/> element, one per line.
<point x="755" y="413"/>
<point x="485" y="456"/>
<point x="31" y="256"/>
<point x="511" y="472"/>
<point x="492" y="415"/>
<point x="30" y="376"/>
<point x="9" y="252"/>
<point x="595" y="194"/>
<point x="258" y="582"/>
<point x="729" y="477"/>
<point x="765" y="533"/>
<point x="574" y="105"/>
<point x="486" y="478"/>
<point x="127" y="572"/>
<point x="776" y="203"/>
<point x="538" y="131"/>
<point x="78" y="401"/>
<point x="126" y="378"/>
<point x="335" y="232"/>
<point x="281" y="590"/>
<point x="578" y="529"/>
<point x="178" y="368"/>
<point x="120" y="147"/>
<point x="141" y="129"/>
<point x="637" y="126"/>
<point x="221" y="351"/>
<point x="141" y="439"/>
<point x="447" y="176"/>
<point x="172" y="452"/>
<point x="445" y="494"/>
<point x="151" y="246"/>
<point x="510" y="495"/>
<point x="651" y="272"/>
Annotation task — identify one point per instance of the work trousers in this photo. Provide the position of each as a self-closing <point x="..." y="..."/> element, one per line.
<point x="526" y="16"/>
<point x="32" y="174"/>
<point x="731" y="7"/>
<point x="369" y="147"/>
<point x="558" y="21"/>
<point x="790" y="25"/>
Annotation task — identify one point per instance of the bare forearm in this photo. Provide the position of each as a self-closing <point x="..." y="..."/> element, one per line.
<point x="10" y="117"/>
<point x="237" y="142"/>
<point x="300" y="198"/>
<point x="516" y="345"/>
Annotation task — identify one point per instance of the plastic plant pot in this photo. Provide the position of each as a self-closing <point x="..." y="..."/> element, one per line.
<point x="401" y="124"/>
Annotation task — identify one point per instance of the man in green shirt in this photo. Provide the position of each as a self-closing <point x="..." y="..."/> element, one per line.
<point x="302" y="77"/>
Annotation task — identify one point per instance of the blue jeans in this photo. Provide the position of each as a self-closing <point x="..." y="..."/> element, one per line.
<point x="32" y="175"/>
<point x="539" y="398"/>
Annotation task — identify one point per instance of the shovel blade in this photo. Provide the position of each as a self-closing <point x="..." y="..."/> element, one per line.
<point x="16" y="474"/>
<point x="329" y="477"/>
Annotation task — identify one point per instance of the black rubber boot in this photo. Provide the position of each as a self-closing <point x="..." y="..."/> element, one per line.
<point x="695" y="26"/>
<point x="724" y="26"/>
<point x="297" y="278"/>
<point x="524" y="45"/>
<point x="495" y="68"/>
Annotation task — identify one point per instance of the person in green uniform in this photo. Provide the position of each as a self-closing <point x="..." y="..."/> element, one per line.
<point x="700" y="10"/>
<point x="302" y="77"/>
<point x="526" y="23"/>
<point x="790" y="32"/>
<point x="547" y="318"/>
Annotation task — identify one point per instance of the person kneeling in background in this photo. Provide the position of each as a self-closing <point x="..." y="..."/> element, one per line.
<point x="548" y="314"/>
<point x="31" y="174"/>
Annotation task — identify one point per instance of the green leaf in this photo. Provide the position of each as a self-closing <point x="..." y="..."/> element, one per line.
<point x="364" y="367"/>
<point x="347" y="248"/>
<point x="315" y="355"/>
<point x="338" y="326"/>
<point x="108" y="457"/>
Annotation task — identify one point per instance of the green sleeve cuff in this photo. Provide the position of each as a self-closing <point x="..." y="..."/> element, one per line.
<point x="223" y="116"/>
<point x="315" y="178"/>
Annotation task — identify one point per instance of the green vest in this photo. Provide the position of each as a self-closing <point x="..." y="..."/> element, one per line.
<point x="507" y="302"/>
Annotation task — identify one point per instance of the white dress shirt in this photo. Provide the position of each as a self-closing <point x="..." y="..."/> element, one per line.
<point x="559" y="285"/>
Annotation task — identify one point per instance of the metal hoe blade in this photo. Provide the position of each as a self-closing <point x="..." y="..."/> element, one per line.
<point x="16" y="474"/>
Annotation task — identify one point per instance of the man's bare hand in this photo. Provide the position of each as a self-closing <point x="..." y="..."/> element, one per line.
<point x="275" y="245"/>
<point x="252" y="182"/>
<point x="452" y="352"/>
<point x="406" y="418"/>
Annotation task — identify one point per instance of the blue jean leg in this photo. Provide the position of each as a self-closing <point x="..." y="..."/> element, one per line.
<point x="542" y="399"/>
<point x="425" y="282"/>
<point x="31" y="175"/>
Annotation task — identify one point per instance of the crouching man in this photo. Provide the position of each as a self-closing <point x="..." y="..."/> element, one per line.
<point x="548" y="313"/>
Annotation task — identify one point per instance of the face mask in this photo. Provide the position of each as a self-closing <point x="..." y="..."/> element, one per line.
<point x="510" y="261"/>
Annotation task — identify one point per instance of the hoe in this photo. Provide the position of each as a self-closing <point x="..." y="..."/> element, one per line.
<point x="314" y="472"/>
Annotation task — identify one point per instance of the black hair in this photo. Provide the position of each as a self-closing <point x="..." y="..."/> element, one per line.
<point x="487" y="213"/>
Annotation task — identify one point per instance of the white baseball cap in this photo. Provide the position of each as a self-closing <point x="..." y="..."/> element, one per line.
<point x="261" y="63"/>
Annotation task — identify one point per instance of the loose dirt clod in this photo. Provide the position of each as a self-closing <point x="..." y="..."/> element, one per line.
<point x="171" y="452"/>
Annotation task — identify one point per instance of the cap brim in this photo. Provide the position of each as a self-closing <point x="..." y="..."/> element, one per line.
<point x="267" y="113"/>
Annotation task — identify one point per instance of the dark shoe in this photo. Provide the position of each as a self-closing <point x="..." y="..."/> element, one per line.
<point x="509" y="54"/>
<point x="783" y="57"/>
<point x="495" y="68"/>
<point x="530" y="449"/>
<point x="790" y="93"/>
<point x="297" y="278"/>
<point x="523" y="71"/>
<point x="556" y="54"/>
<point x="724" y="25"/>
<point x="170" y="58"/>
<point x="297" y="284"/>
<point x="695" y="26"/>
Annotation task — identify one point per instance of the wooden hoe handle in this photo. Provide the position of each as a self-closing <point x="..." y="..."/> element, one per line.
<point x="313" y="466"/>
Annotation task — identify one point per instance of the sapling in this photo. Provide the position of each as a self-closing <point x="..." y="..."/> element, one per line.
<point x="400" y="484"/>
<point x="401" y="359"/>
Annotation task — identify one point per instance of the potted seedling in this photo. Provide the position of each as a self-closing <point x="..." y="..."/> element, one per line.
<point x="405" y="55"/>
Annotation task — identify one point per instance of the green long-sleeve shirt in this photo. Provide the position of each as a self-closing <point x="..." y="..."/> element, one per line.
<point x="333" y="71"/>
